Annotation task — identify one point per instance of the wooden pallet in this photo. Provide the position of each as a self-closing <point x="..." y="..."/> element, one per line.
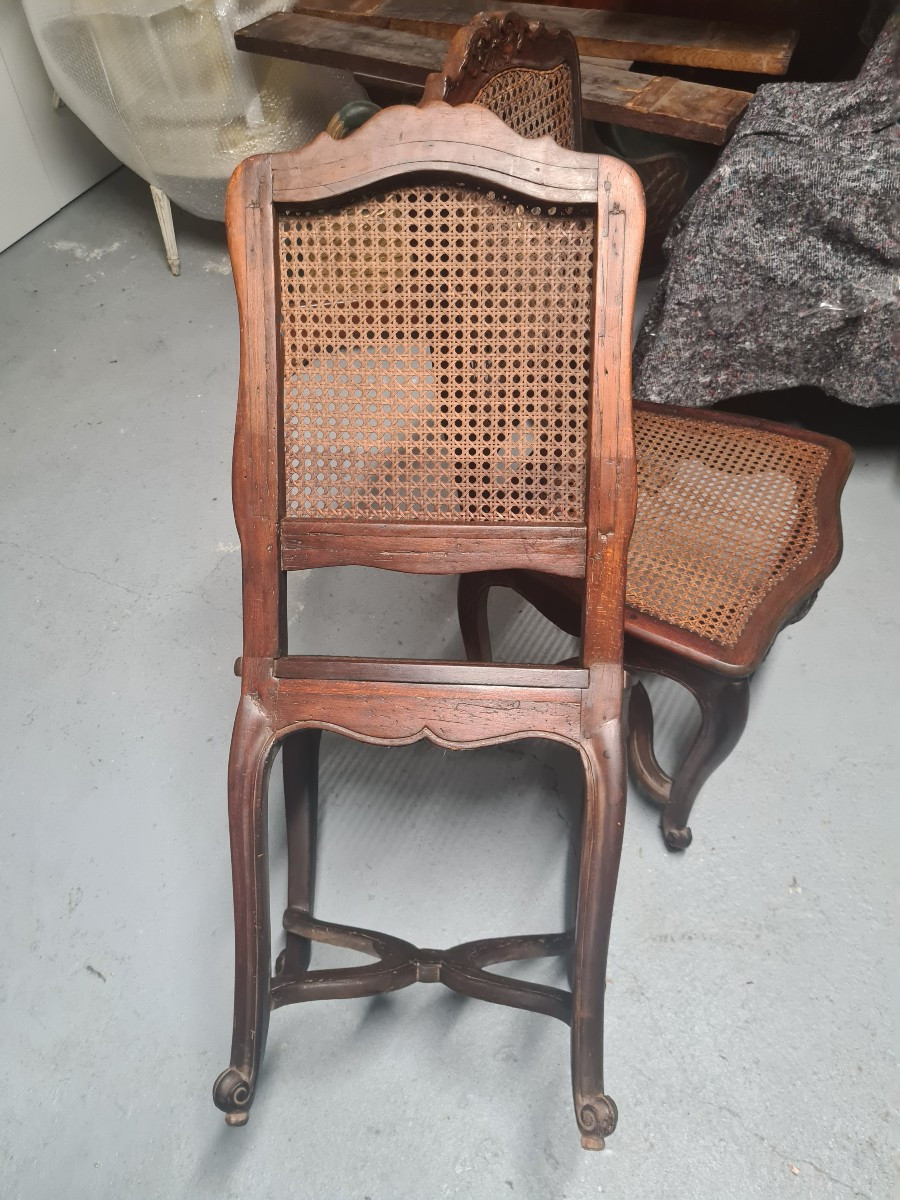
<point x="680" y="41"/>
<point x="383" y="57"/>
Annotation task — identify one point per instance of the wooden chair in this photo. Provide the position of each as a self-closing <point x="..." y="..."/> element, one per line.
<point x="737" y="520"/>
<point x="435" y="323"/>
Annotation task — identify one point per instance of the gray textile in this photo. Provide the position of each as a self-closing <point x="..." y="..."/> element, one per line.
<point x="782" y="267"/>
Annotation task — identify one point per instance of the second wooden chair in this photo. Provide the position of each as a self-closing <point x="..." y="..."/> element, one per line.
<point x="738" y="520"/>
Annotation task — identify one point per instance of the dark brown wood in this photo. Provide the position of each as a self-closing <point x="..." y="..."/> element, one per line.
<point x="676" y="40"/>
<point x="723" y="702"/>
<point x="380" y="57"/>
<point x="451" y="715"/>
<point x="430" y="549"/>
<point x="257" y="490"/>
<point x="401" y="964"/>
<point x="397" y="702"/>
<point x="248" y="767"/>
<point x="494" y="42"/>
<point x="300" y="768"/>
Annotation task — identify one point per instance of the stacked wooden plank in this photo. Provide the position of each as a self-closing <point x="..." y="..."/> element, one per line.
<point x="678" y="40"/>
<point x="398" y="42"/>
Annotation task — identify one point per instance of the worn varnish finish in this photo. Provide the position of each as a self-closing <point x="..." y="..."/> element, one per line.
<point x="396" y="702"/>
<point x="677" y="40"/>
<point x="389" y="57"/>
<point x="443" y="549"/>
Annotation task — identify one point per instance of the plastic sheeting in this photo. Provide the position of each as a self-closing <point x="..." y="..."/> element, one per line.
<point x="164" y="87"/>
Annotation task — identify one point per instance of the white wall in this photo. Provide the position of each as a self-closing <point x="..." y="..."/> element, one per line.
<point x="48" y="156"/>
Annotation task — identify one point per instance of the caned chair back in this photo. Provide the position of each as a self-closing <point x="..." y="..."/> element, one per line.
<point x="527" y="74"/>
<point x="436" y="320"/>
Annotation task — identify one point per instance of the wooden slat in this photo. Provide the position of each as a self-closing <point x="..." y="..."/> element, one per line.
<point x="431" y="549"/>
<point x="463" y="142"/>
<point x="379" y="56"/>
<point x="677" y="40"/>
<point x="375" y="56"/>
<point x="660" y="103"/>
<point x="379" y="670"/>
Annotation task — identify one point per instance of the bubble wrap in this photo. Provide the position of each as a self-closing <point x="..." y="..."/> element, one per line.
<point x="164" y="87"/>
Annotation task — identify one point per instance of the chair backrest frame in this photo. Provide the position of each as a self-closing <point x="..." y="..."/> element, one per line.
<point x="439" y="142"/>
<point x="505" y="44"/>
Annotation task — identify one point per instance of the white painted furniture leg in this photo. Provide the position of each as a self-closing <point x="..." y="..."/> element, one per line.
<point x="164" y="213"/>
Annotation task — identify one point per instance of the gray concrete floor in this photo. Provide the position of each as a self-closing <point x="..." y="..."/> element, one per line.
<point x="749" y="1002"/>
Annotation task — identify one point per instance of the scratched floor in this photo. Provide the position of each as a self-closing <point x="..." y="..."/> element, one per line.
<point x="749" y="1026"/>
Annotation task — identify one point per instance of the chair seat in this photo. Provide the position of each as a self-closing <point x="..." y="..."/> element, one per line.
<point x="737" y="523"/>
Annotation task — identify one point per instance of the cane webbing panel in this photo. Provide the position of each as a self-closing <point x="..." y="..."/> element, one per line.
<point x="437" y="356"/>
<point x="533" y="103"/>
<point x="724" y="512"/>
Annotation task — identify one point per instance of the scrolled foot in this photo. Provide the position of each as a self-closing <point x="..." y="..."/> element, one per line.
<point x="232" y="1093"/>
<point x="678" y="839"/>
<point x="597" y="1121"/>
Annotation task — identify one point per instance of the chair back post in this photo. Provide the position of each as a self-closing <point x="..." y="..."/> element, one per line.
<point x="257" y="477"/>
<point x="528" y="74"/>
<point x="612" y="477"/>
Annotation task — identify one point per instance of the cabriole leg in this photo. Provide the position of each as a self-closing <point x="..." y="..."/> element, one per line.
<point x="601" y="848"/>
<point x="724" y="704"/>
<point x="723" y="701"/>
<point x="251" y="750"/>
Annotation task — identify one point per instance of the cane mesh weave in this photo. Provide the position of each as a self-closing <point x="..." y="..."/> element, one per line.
<point x="724" y="512"/>
<point x="436" y="358"/>
<point x="533" y="103"/>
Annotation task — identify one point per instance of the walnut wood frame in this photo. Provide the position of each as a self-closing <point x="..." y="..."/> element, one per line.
<point x="393" y="703"/>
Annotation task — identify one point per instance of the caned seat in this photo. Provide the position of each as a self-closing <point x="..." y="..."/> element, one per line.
<point x="736" y="524"/>
<point x="737" y="520"/>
